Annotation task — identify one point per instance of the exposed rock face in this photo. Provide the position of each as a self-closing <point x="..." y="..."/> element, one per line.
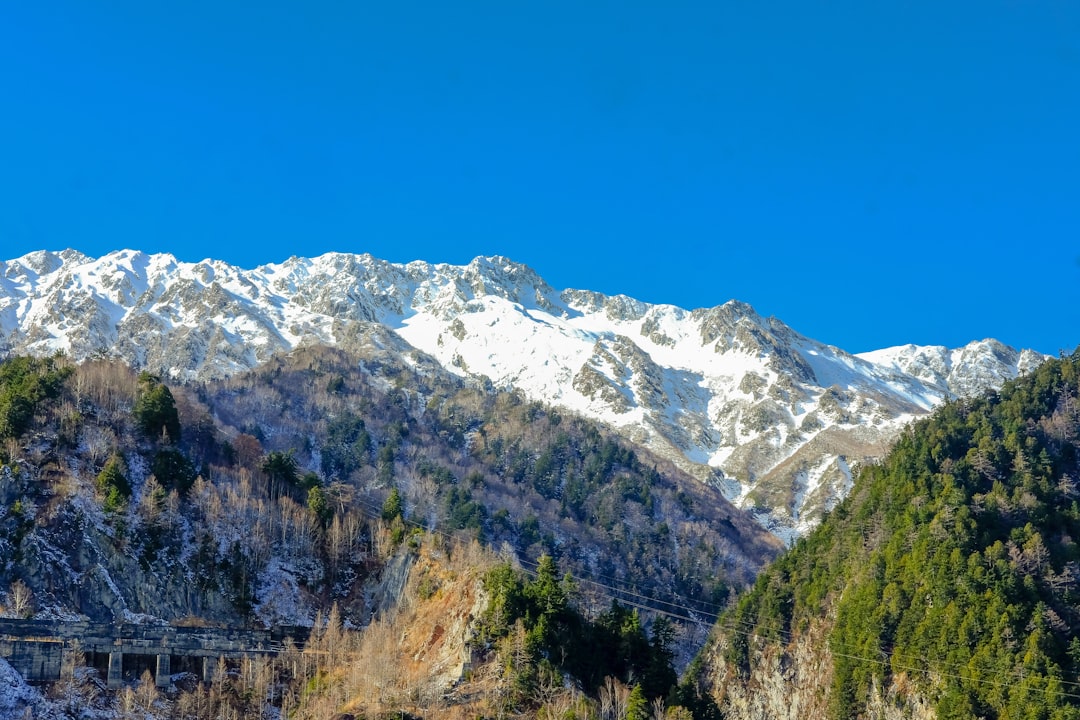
<point x="776" y="419"/>
<point x="781" y="683"/>
<point x="80" y="567"/>
<point x="18" y="699"/>
<point x="793" y="682"/>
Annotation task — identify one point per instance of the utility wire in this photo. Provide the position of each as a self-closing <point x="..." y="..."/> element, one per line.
<point x="748" y="629"/>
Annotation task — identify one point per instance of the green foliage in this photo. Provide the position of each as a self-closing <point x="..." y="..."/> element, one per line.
<point x="660" y="677"/>
<point x="25" y="383"/>
<point x="539" y="473"/>
<point x="282" y="472"/>
<point x="576" y="477"/>
<point x="462" y="512"/>
<point x="442" y="476"/>
<point x="427" y="587"/>
<point x="700" y="705"/>
<point x="319" y="505"/>
<point x="15" y="527"/>
<point x="308" y="481"/>
<point x="155" y="410"/>
<point x="637" y="707"/>
<point x="493" y="465"/>
<point x="113" y="485"/>
<point x="347" y="446"/>
<point x="173" y="470"/>
<point x="385" y="458"/>
<point x="953" y="560"/>
<point x="240" y="575"/>
<point x="554" y="632"/>
<point x="393" y="507"/>
<point x="336" y="385"/>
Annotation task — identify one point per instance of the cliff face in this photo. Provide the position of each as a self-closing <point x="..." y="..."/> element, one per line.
<point x="782" y="683"/>
<point x="794" y="681"/>
<point x="417" y="647"/>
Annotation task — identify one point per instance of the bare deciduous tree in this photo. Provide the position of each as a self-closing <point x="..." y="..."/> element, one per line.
<point x="614" y="697"/>
<point x="147" y="693"/>
<point x="20" y="600"/>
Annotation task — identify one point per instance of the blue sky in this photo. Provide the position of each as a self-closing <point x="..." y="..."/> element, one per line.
<point x="871" y="173"/>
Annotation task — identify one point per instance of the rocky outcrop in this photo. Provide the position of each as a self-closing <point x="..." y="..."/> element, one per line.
<point x="793" y="681"/>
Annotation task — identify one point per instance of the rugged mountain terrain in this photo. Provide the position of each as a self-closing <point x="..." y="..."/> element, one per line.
<point x="946" y="585"/>
<point x="775" y="419"/>
<point x="368" y="495"/>
<point x="250" y="499"/>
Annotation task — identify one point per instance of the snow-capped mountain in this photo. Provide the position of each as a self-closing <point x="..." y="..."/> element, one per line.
<point x="776" y="418"/>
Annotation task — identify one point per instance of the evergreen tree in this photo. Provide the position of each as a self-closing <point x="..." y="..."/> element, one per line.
<point x="637" y="707"/>
<point x="393" y="507"/>
<point x="281" y="471"/>
<point x="319" y="506"/>
<point x="24" y="383"/>
<point x="659" y="677"/>
<point x="952" y="560"/>
<point x="173" y="470"/>
<point x="155" y="410"/>
<point x="113" y="484"/>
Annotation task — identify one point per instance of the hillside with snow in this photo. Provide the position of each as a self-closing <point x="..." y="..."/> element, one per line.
<point x="775" y="419"/>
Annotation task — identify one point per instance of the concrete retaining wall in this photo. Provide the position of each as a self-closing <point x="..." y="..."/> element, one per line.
<point x="35" y="648"/>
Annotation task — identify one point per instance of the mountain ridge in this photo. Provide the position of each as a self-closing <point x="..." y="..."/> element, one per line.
<point x="745" y="402"/>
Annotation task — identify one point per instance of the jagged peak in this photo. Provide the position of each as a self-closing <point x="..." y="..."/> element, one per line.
<point x="501" y="263"/>
<point x="734" y="325"/>
<point x="504" y="271"/>
<point x="44" y="262"/>
<point x="989" y="344"/>
<point x="619" y="307"/>
<point x="72" y="255"/>
<point x="910" y="350"/>
<point x="740" y="307"/>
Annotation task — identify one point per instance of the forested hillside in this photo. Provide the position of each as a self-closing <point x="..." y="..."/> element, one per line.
<point x="945" y="585"/>
<point x="493" y="466"/>
<point x="309" y="489"/>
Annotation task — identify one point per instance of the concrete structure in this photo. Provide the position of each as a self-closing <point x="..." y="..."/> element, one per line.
<point x="122" y="652"/>
<point x="162" y="671"/>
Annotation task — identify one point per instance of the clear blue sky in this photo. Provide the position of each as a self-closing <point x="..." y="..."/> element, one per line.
<point x="872" y="173"/>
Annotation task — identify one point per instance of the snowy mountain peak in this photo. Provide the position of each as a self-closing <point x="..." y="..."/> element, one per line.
<point x="975" y="368"/>
<point x="775" y="418"/>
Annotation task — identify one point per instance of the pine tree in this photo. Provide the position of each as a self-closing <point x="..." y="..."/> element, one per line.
<point x="637" y="707"/>
<point x="155" y="410"/>
<point x="113" y="484"/>
<point x="393" y="507"/>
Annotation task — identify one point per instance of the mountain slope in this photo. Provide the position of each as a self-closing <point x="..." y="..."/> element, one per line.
<point x="946" y="585"/>
<point x="775" y="419"/>
<point x="352" y="488"/>
<point x="257" y="505"/>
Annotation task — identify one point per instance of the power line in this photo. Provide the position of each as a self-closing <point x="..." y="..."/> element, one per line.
<point x="748" y="629"/>
<point x="637" y="600"/>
